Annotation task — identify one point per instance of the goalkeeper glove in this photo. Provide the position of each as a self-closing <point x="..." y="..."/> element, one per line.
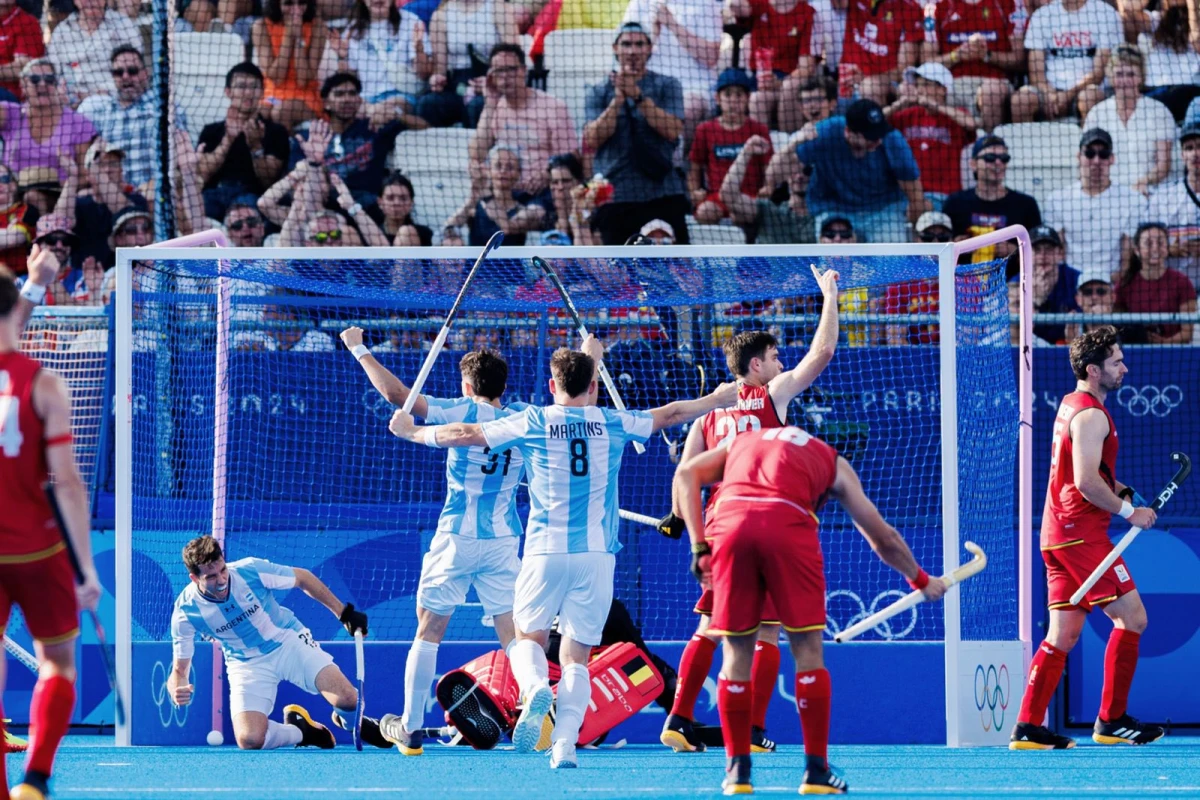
<point x="1131" y="494"/>
<point x="671" y="526"/>
<point x="353" y="620"/>
<point x="701" y="561"/>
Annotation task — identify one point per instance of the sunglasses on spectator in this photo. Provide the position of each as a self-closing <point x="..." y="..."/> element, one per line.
<point x="326" y="236"/>
<point x="49" y="80"/>
<point x="137" y="227"/>
<point x="248" y="222"/>
<point x="1094" y="291"/>
<point x="1102" y="153"/>
<point x="936" y="237"/>
<point x="838" y="233"/>
<point x="503" y="70"/>
<point x="121" y="72"/>
<point x="992" y="158"/>
<point x="56" y="240"/>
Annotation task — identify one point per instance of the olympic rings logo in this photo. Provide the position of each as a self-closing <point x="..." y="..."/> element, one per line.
<point x="884" y="629"/>
<point x="1149" y="400"/>
<point x="168" y="712"/>
<point x="991" y="695"/>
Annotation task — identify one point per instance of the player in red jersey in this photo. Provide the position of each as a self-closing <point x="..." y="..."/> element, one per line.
<point x="764" y="393"/>
<point x="763" y="538"/>
<point x="1082" y="497"/>
<point x="35" y="573"/>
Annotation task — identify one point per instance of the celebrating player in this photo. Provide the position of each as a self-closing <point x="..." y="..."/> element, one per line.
<point x="573" y="451"/>
<point x="762" y="532"/>
<point x="1080" y="501"/>
<point x="35" y="571"/>
<point x="764" y="393"/>
<point x="43" y="270"/>
<point x="478" y="531"/>
<point x="264" y="643"/>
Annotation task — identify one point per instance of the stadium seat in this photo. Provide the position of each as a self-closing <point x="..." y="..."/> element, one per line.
<point x="715" y="234"/>
<point x="200" y="62"/>
<point x="439" y="195"/>
<point x="576" y="60"/>
<point x="435" y="150"/>
<point x="1043" y="156"/>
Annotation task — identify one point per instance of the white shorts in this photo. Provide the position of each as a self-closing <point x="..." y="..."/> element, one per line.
<point x="455" y="562"/>
<point x="575" y="587"/>
<point x="253" y="683"/>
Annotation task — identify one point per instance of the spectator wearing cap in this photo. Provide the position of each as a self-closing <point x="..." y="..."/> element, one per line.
<point x="782" y="57"/>
<point x="782" y="218"/>
<point x="536" y="123"/>
<point x="72" y="286"/>
<point x="132" y="227"/>
<point x="1094" y="295"/>
<point x="933" y="227"/>
<point x="40" y="188"/>
<point x="1177" y="204"/>
<point x="936" y="131"/>
<point x="60" y="130"/>
<point x="1054" y="283"/>
<point x="22" y="42"/>
<point x="990" y="205"/>
<point x="1095" y="216"/>
<point x="882" y="39"/>
<point x="717" y="145"/>
<point x="81" y="47"/>
<point x="657" y="231"/>
<point x="865" y="171"/>
<point x="634" y="123"/>
<point x="1149" y="286"/>
<point x="109" y="195"/>
<point x="17" y="222"/>
<point x="1142" y="128"/>
<point x="837" y="229"/>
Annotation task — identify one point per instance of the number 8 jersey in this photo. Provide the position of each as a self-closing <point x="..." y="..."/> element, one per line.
<point x="755" y="410"/>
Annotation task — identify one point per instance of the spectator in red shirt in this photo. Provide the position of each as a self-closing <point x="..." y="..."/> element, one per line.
<point x="20" y="43"/>
<point x="978" y="41"/>
<point x="917" y="297"/>
<point x="936" y="131"/>
<point x="718" y="142"/>
<point x="782" y="32"/>
<point x="1148" y="285"/>
<point x="882" y="39"/>
<point x="16" y="224"/>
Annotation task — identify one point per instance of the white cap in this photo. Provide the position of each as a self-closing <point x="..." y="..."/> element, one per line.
<point x="658" y="225"/>
<point x="931" y="219"/>
<point x="1093" y="275"/>
<point x="930" y="71"/>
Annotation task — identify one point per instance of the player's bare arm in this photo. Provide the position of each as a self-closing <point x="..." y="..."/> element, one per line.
<point x="43" y="269"/>
<point x="456" y="434"/>
<point x="885" y="540"/>
<point x="691" y="476"/>
<point x="682" y="411"/>
<point x="785" y="386"/>
<point x="177" y="682"/>
<point x="1088" y="431"/>
<point x="394" y="390"/>
<point x="315" y="588"/>
<point x="692" y="447"/>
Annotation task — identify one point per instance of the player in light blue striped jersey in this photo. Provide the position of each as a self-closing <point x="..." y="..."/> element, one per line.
<point x="573" y="453"/>
<point x="478" y="531"/>
<point x="234" y="605"/>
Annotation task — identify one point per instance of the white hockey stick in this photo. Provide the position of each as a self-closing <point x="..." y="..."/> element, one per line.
<point x="916" y="597"/>
<point x="641" y="519"/>
<point x="360" y="670"/>
<point x="21" y="654"/>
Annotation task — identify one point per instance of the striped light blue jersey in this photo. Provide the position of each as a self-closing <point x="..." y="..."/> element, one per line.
<point x="573" y="456"/>
<point x="250" y="623"/>
<point x="481" y="482"/>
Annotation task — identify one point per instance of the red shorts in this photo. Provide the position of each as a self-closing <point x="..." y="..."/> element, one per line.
<point x="705" y="606"/>
<point x="761" y="560"/>
<point x="1068" y="567"/>
<point x="45" y="591"/>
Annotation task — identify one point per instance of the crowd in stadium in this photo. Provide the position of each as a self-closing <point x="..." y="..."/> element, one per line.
<point x="347" y="122"/>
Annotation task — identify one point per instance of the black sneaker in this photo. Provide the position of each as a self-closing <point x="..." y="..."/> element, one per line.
<point x="1027" y="736"/>
<point x="369" y="730"/>
<point x="759" y="743"/>
<point x="411" y="743"/>
<point x="822" y="781"/>
<point x="678" y="734"/>
<point x="1125" y="730"/>
<point x="737" y="776"/>
<point x="312" y="734"/>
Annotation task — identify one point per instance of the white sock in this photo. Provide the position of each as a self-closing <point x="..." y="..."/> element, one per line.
<point x="511" y="644"/>
<point x="281" y="735"/>
<point x="574" y="694"/>
<point x="419" y="669"/>
<point x="529" y="666"/>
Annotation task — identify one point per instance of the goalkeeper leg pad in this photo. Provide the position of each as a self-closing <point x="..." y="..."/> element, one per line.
<point x="624" y="681"/>
<point x="480" y="699"/>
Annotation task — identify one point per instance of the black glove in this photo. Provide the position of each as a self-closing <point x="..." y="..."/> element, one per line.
<point x="671" y="526"/>
<point x="701" y="560"/>
<point x="354" y="621"/>
<point x="1131" y="494"/>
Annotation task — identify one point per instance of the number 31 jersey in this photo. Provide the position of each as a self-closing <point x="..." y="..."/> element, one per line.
<point x="755" y="410"/>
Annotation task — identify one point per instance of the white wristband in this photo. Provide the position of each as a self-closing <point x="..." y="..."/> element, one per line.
<point x="1126" y="510"/>
<point x="358" y="351"/>
<point x="431" y="437"/>
<point x="33" y="292"/>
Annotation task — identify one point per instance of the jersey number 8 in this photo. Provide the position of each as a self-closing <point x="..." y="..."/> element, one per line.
<point x="579" y="457"/>
<point x="10" y="428"/>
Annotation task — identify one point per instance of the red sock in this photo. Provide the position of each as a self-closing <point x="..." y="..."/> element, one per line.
<point x="49" y="716"/>
<point x="694" y="665"/>
<point x="813" y="695"/>
<point x="1120" y="661"/>
<point x="1044" y="673"/>
<point x="734" y="699"/>
<point x="762" y="679"/>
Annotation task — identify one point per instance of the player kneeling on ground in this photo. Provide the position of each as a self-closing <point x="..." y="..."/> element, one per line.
<point x="761" y="540"/>
<point x="263" y="643"/>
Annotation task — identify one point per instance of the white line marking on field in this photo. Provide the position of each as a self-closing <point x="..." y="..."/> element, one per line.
<point x="114" y="764"/>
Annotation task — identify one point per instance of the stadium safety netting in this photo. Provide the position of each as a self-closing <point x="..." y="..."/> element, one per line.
<point x="314" y="478"/>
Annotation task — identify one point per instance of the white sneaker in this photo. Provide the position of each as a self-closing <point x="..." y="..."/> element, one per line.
<point x="528" y="729"/>
<point x="562" y="755"/>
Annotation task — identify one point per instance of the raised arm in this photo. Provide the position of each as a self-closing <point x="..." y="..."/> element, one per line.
<point x="682" y="411"/>
<point x="384" y="380"/>
<point x="785" y="386"/>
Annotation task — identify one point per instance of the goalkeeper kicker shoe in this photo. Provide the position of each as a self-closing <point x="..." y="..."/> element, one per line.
<point x="822" y="781"/>
<point x="679" y="734"/>
<point x="312" y="734"/>
<point x="759" y="743"/>
<point x="369" y="730"/>
<point x="1125" y="730"/>
<point x="1027" y="736"/>
<point x="528" y="729"/>
<point x="562" y="755"/>
<point x="737" y="776"/>
<point x="411" y="743"/>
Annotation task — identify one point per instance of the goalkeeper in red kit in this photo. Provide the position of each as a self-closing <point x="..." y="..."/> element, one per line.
<point x="35" y="572"/>
<point x="761" y="541"/>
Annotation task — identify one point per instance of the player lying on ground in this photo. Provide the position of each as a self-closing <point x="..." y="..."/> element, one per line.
<point x="264" y="644"/>
<point x="765" y="391"/>
<point x="478" y="531"/>
<point x="35" y="571"/>
<point x="573" y="454"/>
<point x="1082" y="497"/>
<point x="760" y="541"/>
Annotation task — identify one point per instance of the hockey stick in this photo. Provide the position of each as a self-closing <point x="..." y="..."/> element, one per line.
<point x="105" y="656"/>
<point x="569" y="305"/>
<point x="440" y="341"/>
<point x="359" y="673"/>
<point x="640" y="519"/>
<point x="916" y="597"/>
<point x="1185" y="469"/>
<point x="21" y="654"/>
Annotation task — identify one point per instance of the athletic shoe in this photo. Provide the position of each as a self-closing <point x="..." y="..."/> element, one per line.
<point x="737" y="776"/>
<point x="1027" y="736"/>
<point x="1125" y="730"/>
<point x="759" y="743"/>
<point x="562" y="755"/>
<point x="34" y="787"/>
<point x="312" y="734"/>
<point x="411" y="743"/>
<point x="528" y="729"/>
<point x="13" y="744"/>
<point x="822" y="781"/>
<point x="679" y="734"/>
<point x="369" y="730"/>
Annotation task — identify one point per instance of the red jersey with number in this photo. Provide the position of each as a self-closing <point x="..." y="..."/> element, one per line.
<point x="956" y="21"/>
<point x="875" y="29"/>
<point x="1069" y="517"/>
<point x="787" y="34"/>
<point x="755" y="410"/>
<point x="27" y="525"/>
<point x="787" y="470"/>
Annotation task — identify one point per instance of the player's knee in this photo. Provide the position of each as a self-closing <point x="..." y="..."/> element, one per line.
<point x="250" y="740"/>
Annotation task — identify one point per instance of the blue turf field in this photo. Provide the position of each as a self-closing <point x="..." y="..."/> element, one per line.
<point x="89" y="767"/>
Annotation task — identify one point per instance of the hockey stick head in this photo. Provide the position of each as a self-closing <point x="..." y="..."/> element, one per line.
<point x="972" y="567"/>
<point x="1182" y="471"/>
<point x="552" y="276"/>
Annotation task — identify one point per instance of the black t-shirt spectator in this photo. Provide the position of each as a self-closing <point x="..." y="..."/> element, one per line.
<point x="93" y="226"/>
<point x="972" y="216"/>
<point x="239" y="164"/>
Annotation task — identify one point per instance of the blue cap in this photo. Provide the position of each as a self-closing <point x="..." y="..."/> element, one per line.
<point x="735" y="77"/>
<point x="554" y="238"/>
